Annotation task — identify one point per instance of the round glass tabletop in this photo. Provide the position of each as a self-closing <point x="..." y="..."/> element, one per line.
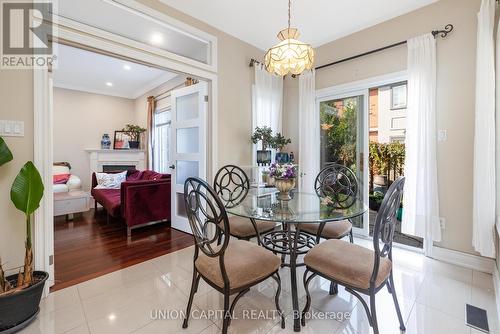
<point x="263" y="204"/>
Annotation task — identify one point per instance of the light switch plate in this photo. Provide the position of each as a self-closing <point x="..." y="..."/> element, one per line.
<point x="10" y="128"/>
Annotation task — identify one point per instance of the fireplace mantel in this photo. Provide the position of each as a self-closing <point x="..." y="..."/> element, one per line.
<point x="99" y="157"/>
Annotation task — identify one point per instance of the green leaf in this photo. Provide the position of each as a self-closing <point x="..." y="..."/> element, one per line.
<point x="27" y="189"/>
<point x="5" y="153"/>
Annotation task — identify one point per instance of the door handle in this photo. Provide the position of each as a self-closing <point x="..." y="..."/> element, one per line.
<point x="171" y="166"/>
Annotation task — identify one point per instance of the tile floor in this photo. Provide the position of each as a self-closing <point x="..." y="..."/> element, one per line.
<point x="432" y="296"/>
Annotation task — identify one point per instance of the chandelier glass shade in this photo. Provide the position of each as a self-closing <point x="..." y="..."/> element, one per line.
<point x="290" y="55"/>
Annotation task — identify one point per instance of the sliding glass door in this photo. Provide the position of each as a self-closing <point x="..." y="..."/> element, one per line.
<point x="342" y="136"/>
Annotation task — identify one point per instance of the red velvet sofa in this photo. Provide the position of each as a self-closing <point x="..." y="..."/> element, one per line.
<point x="143" y="199"/>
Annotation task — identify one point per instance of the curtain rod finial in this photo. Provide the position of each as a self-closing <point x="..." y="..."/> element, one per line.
<point x="443" y="33"/>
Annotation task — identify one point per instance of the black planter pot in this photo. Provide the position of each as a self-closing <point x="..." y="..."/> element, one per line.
<point x="19" y="309"/>
<point x="133" y="145"/>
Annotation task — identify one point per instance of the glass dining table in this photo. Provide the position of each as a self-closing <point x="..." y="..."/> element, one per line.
<point x="289" y="240"/>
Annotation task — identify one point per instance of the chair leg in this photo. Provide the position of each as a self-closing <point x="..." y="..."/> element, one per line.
<point x="396" y="304"/>
<point x="306" y="280"/>
<point x="373" y="312"/>
<point x="334" y="288"/>
<point x="351" y="237"/>
<point x="194" y="288"/>
<point x="277" y="278"/>
<point x="227" y="315"/>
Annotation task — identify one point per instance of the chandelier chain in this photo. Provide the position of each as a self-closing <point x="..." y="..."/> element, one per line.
<point x="289" y="12"/>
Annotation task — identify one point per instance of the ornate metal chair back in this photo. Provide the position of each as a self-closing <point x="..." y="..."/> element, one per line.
<point x="339" y="183"/>
<point x="231" y="184"/>
<point x="385" y="223"/>
<point x="207" y="217"/>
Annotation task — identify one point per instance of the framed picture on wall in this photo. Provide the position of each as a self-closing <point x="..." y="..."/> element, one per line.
<point x="121" y="141"/>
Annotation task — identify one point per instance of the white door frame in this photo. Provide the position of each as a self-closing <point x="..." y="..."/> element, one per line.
<point x="353" y="88"/>
<point x="43" y="127"/>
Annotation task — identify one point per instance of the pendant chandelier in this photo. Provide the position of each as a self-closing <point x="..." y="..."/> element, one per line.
<point x="290" y="55"/>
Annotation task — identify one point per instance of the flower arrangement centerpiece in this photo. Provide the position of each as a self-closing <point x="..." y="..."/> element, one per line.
<point x="284" y="176"/>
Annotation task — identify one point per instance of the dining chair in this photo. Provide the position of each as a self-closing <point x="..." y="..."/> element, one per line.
<point x="360" y="270"/>
<point x="230" y="267"/>
<point x="231" y="184"/>
<point x="340" y="185"/>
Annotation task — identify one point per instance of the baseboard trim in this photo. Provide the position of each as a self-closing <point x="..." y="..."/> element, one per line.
<point x="496" y="284"/>
<point x="475" y="262"/>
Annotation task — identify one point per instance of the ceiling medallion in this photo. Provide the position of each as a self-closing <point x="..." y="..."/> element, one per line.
<point x="290" y="55"/>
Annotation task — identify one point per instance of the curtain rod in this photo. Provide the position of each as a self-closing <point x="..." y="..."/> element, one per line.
<point x="442" y="33"/>
<point x="157" y="97"/>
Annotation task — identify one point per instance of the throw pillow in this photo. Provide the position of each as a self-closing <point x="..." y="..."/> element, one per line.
<point x="110" y="181"/>
<point x="60" y="178"/>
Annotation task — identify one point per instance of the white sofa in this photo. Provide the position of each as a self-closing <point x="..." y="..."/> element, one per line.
<point x="74" y="182"/>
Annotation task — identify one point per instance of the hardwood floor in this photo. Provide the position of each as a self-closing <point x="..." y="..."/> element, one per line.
<point x="88" y="247"/>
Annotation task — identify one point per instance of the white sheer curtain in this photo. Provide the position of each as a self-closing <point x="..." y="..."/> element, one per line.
<point x="309" y="146"/>
<point x="421" y="203"/>
<point x="484" y="135"/>
<point x="268" y="99"/>
<point x="267" y="104"/>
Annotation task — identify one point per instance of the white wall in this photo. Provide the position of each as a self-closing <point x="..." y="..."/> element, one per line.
<point x="80" y="120"/>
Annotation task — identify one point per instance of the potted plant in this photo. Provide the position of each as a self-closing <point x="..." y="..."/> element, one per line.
<point x="134" y="133"/>
<point x="284" y="179"/>
<point x="278" y="142"/>
<point x="264" y="135"/>
<point x="20" y="293"/>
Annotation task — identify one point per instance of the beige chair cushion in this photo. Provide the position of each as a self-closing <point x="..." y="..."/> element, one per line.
<point x="332" y="230"/>
<point x="347" y="263"/>
<point x="243" y="228"/>
<point x="245" y="263"/>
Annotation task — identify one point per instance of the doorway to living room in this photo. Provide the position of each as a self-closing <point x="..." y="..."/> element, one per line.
<point x="97" y="101"/>
<point x="185" y="151"/>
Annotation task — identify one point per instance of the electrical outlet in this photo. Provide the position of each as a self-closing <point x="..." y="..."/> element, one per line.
<point x="442" y="222"/>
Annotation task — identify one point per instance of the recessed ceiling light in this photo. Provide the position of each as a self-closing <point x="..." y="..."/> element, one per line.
<point x="156" y="38"/>
<point x="109" y="84"/>
<point x="126" y="67"/>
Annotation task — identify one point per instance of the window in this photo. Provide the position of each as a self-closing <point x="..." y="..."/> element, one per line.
<point x="398" y="96"/>
<point x="161" y="140"/>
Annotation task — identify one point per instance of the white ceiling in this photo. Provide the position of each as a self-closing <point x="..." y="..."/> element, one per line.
<point x="320" y="21"/>
<point x="90" y="72"/>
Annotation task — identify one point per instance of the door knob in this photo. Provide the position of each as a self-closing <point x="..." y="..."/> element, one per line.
<point x="171" y="166"/>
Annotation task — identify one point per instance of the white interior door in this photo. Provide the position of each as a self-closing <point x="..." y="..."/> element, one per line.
<point x="188" y="150"/>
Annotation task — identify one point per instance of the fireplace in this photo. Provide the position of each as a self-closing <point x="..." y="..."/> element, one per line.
<point x="115" y="160"/>
<point x="117" y="168"/>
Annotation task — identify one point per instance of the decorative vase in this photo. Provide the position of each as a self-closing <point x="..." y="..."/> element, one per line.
<point x="105" y="142"/>
<point x="263" y="157"/>
<point x="284" y="186"/>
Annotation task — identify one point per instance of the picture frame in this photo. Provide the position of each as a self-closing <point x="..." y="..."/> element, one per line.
<point x="120" y="141"/>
